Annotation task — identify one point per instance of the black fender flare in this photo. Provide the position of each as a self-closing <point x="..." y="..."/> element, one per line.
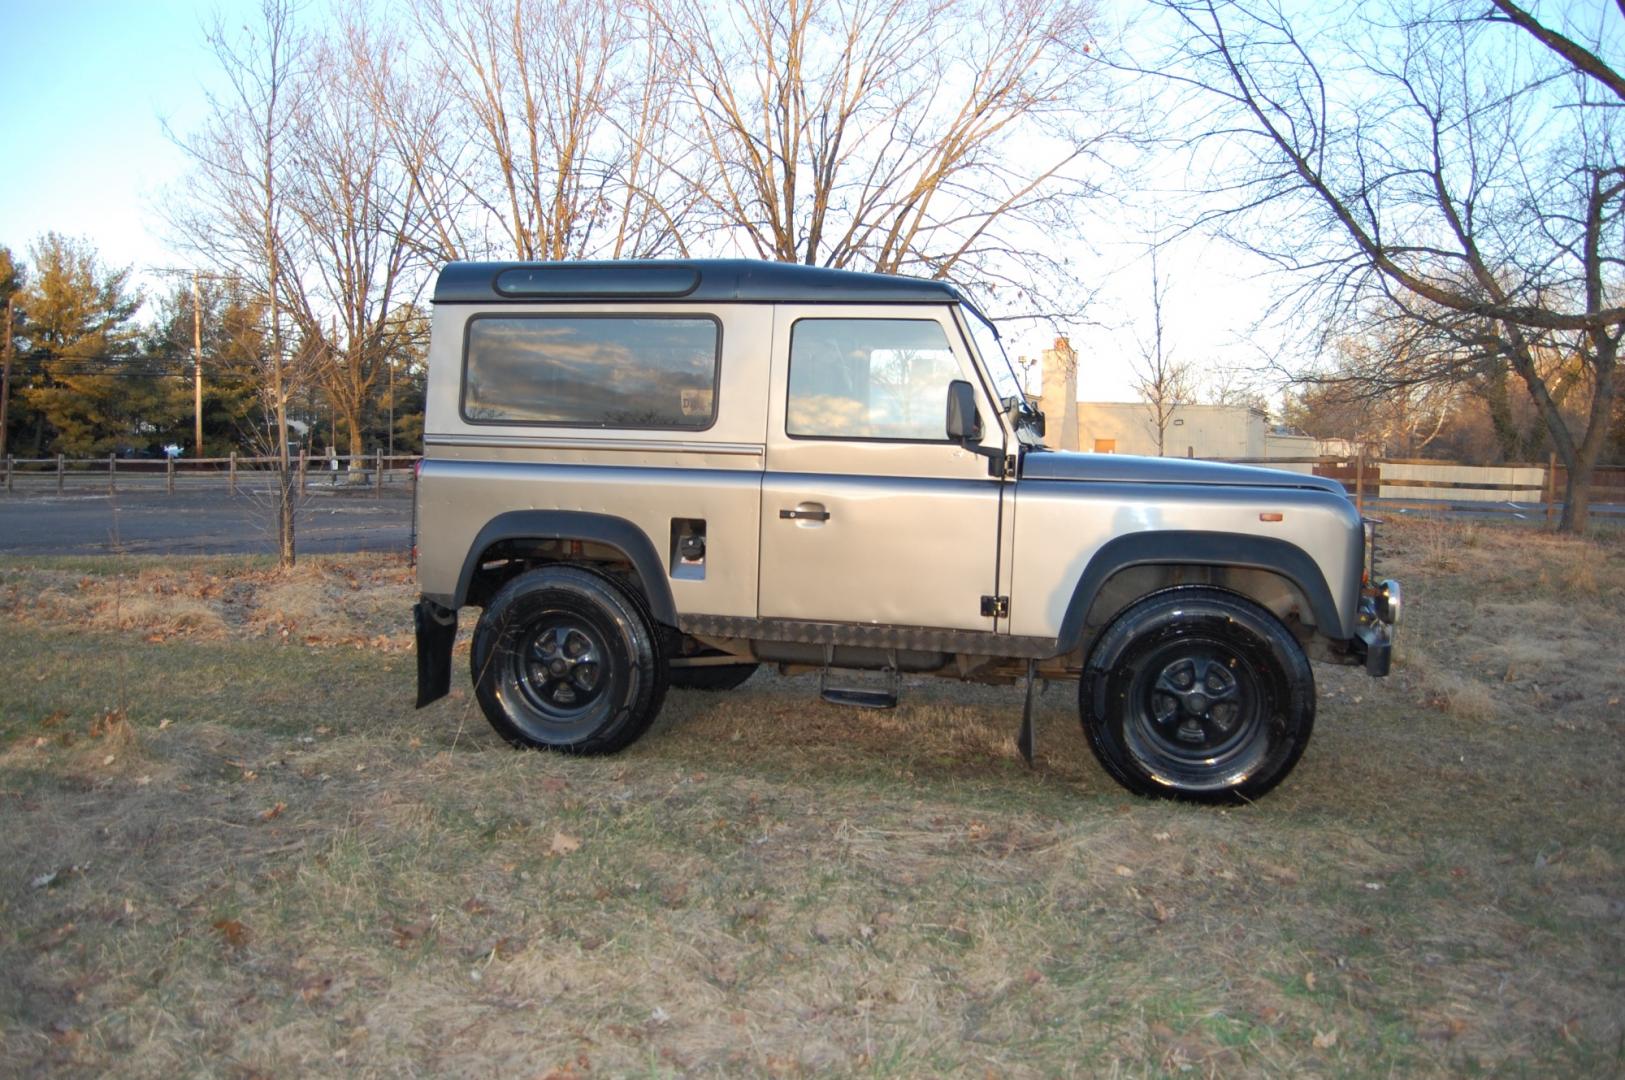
<point x="607" y="529"/>
<point x="1205" y="549"/>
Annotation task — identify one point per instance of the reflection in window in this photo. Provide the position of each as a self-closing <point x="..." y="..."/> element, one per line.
<point x="870" y="379"/>
<point x="645" y="372"/>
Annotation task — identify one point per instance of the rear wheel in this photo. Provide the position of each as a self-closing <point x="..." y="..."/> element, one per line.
<point x="1198" y="694"/>
<point x="711" y="676"/>
<point x="565" y="659"/>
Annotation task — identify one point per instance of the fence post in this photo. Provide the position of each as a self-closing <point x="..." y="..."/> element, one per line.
<point x="11" y="469"/>
<point x="1551" y="486"/>
<point x="1359" y="482"/>
<point x="61" y="463"/>
<point x="304" y="471"/>
<point x="169" y="475"/>
<point x="112" y="470"/>
<point x="378" y="474"/>
<point x="231" y="473"/>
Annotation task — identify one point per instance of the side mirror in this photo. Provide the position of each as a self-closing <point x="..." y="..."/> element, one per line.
<point x="964" y="422"/>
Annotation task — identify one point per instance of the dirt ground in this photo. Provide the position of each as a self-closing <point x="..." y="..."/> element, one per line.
<point x="232" y="848"/>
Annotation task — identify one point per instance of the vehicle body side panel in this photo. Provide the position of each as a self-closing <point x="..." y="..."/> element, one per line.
<point x="1062" y="525"/>
<point x="458" y="499"/>
<point x="474" y="472"/>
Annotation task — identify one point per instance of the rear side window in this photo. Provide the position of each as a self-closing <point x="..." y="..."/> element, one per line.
<point x="644" y="371"/>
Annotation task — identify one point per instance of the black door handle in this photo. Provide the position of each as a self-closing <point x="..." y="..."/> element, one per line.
<point x="804" y="515"/>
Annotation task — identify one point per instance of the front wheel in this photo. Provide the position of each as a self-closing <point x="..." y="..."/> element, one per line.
<point x="565" y="659"/>
<point x="1198" y="694"/>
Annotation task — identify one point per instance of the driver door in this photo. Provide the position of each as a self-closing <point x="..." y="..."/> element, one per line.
<point x="870" y="514"/>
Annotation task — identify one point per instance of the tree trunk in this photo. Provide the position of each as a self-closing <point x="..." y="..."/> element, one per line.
<point x="287" y="485"/>
<point x="352" y="420"/>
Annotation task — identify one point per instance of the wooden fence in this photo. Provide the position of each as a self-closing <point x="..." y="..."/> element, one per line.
<point x="113" y="473"/>
<point x="1427" y="484"/>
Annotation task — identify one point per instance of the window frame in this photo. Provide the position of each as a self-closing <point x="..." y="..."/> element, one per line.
<point x="789" y="374"/>
<point x="580" y="425"/>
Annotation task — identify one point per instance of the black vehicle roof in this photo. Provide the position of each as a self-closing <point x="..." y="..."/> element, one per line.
<point x="750" y="281"/>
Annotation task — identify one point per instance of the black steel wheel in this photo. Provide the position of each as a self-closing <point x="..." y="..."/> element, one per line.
<point x="1200" y="694"/>
<point x="564" y="658"/>
<point x="712" y="676"/>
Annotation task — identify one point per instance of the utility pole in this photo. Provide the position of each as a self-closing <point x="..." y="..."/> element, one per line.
<point x="5" y="377"/>
<point x="391" y="361"/>
<point x="197" y="367"/>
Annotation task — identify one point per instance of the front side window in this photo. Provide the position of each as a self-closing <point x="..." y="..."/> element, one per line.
<point x="624" y="371"/>
<point x="870" y="379"/>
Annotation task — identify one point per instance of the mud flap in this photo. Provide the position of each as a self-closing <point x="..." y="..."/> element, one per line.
<point x="436" y="632"/>
<point x="1024" y="738"/>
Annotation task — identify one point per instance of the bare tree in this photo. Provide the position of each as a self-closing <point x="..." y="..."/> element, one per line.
<point x="236" y="214"/>
<point x="534" y="129"/>
<point x="1165" y="383"/>
<point x="935" y="137"/>
<point x="1449" y="165"/>
<point x="356" y="212"/>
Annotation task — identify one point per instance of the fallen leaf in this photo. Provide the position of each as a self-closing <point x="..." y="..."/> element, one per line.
<point x="273" y="812"/>
<point x="235" y="933"/>
<point x="1309" y="979"/>
<point x="1444" y="1031"/>
<point x="163" y="724"/>
<point x="43" y="881"/>
<point x="1123" y="871"/>
<point x="553" y="785"/>
<point x="1159" y="911"/>
<point x="1325" y="1040"/>
<point x="109" y="759"/>
<point x="563" y="844"/>
<point x="407" y="934"/>
<point x="1162" y="837"/>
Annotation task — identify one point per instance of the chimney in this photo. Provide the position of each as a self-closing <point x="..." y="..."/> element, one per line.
<point x="1060" y="398"/>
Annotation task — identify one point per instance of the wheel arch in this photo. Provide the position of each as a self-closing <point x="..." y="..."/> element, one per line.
<point x="617" y="533"/>
<point x="1241" y="556"/>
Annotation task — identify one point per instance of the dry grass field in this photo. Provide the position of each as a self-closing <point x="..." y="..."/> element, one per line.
<point x="231" y="848"/>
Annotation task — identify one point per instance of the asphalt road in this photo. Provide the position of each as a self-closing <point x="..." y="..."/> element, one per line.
<point x="199" y="523"/>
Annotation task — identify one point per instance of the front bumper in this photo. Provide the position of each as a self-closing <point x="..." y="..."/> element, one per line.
<point x="1380" y="609"/>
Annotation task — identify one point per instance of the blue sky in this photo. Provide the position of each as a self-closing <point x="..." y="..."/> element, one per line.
<point x="87" y="86"/>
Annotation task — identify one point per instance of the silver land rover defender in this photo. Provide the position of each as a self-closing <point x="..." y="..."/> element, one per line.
<point x="653" y="474"/>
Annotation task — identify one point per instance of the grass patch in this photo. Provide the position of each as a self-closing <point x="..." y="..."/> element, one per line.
<point x="234" y="850"/>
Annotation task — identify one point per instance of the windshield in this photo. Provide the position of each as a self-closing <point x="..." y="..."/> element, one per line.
<point x="1006" y="383"/>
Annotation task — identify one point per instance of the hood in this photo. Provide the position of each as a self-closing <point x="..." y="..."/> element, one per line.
<point x="1127" y="469"/>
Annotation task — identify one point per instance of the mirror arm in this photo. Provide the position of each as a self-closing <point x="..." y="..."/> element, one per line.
<point x="994" y="455"/>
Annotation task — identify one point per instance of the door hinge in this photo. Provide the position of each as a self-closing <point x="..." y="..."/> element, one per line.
<point x="996" y="607"/>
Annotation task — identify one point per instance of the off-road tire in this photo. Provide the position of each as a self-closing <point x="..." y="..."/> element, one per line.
<point x="566" y="658"/>
<point x="715" y="677"/>
<point x="1197" y="694"/>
